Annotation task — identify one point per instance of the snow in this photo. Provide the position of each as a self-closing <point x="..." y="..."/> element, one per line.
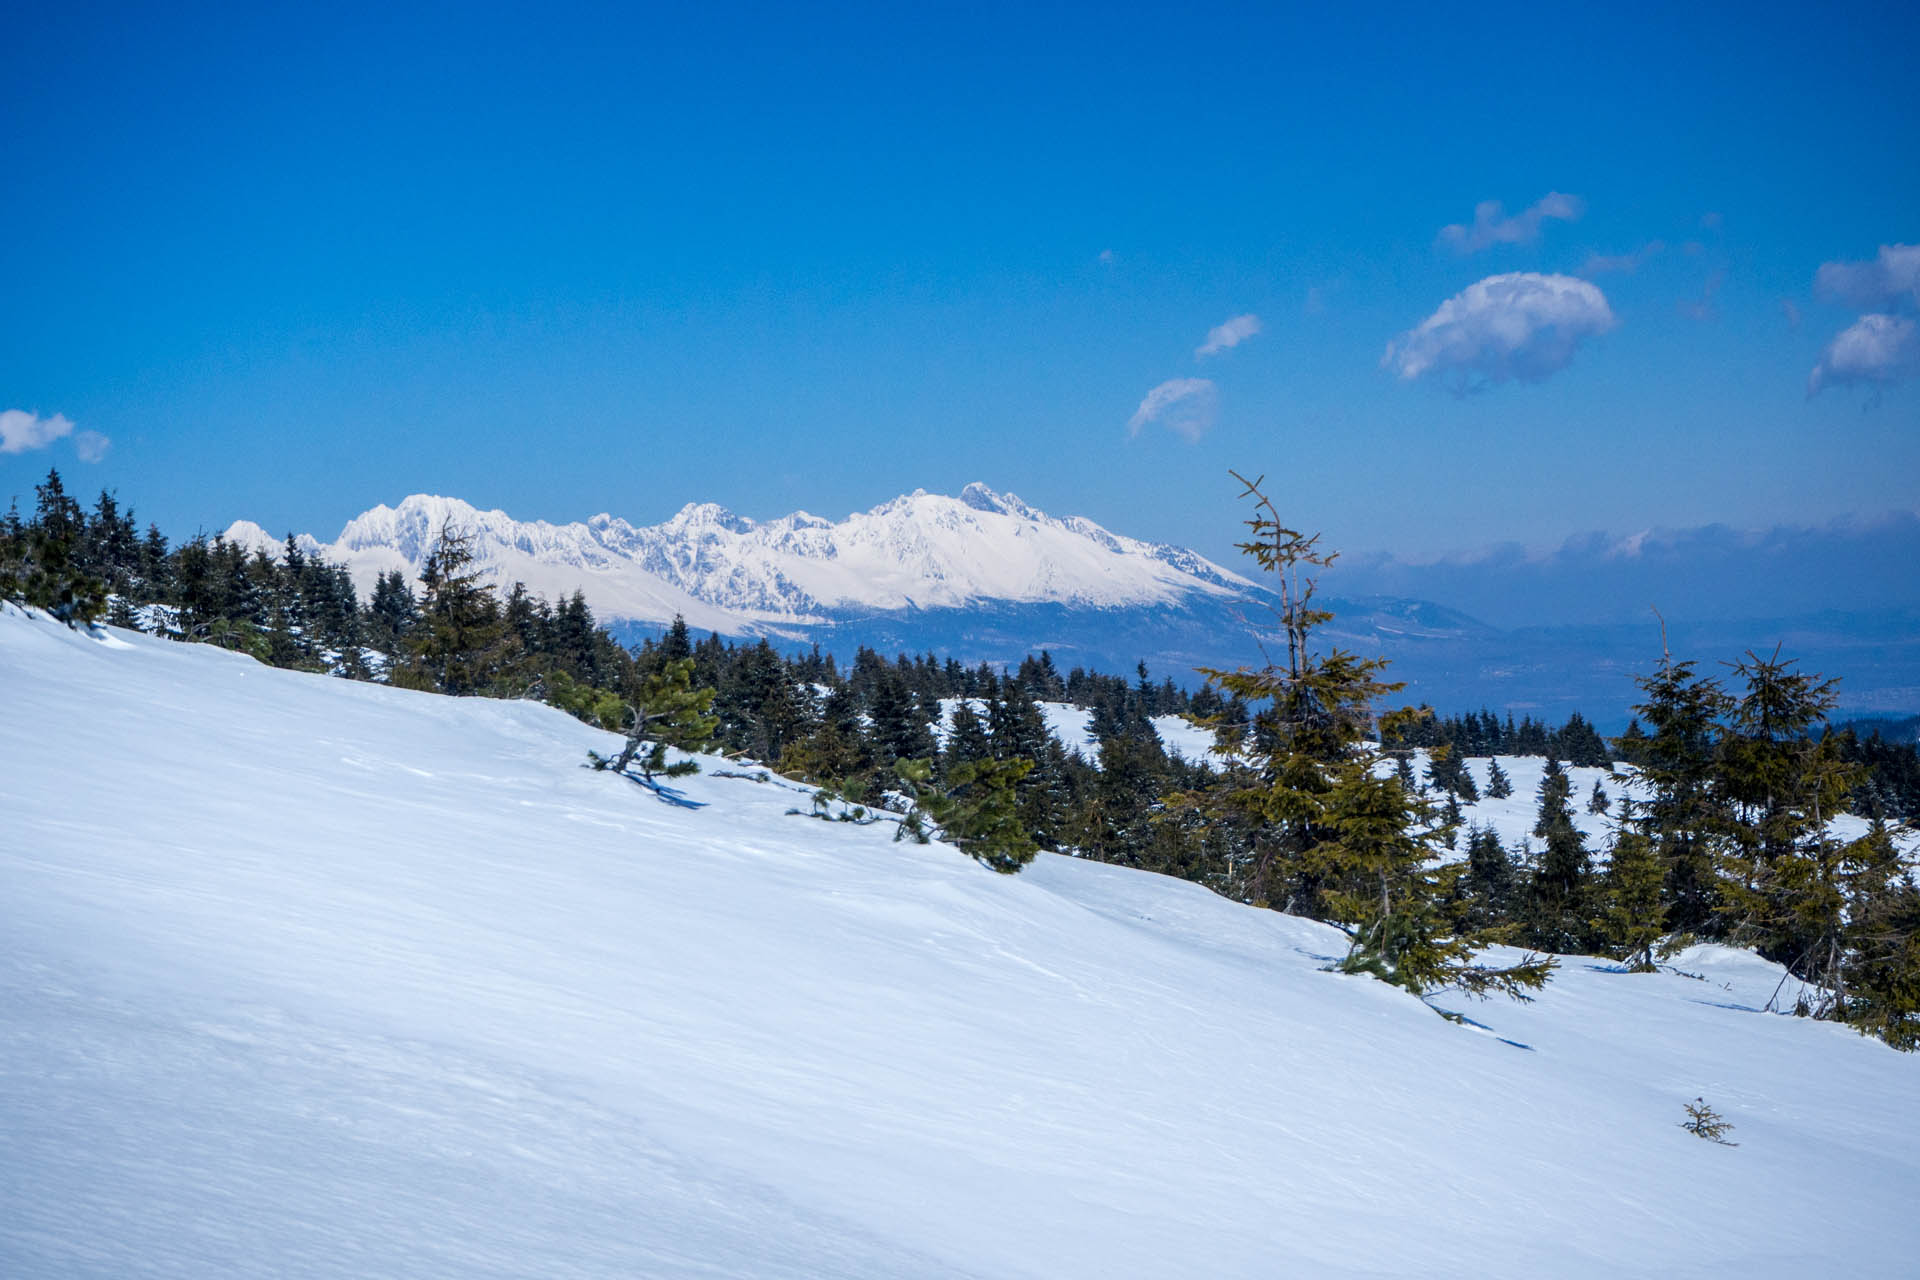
<point x="312" y="978"/>
<point x="727" y="573"/>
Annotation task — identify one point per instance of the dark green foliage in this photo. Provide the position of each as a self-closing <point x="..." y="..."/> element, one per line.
<point x="1490" y="885"/>
<point x="1686" y="817"/>
<point x="45" y="564"/>
<point x="1633" y="914"/>
<point x="1499" y="785"/>
<point x="977" y="808"/>
<point x="1447" y="770"/>
<point x="462" y="643"/>
<point x="665" y="711"/>
<point x="1558" y="910"/>
<point x="1731" y="843"/>
<point x="1330" y="836"/>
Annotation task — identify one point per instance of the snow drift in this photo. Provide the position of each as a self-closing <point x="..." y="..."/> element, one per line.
<point x="312" y="978"/>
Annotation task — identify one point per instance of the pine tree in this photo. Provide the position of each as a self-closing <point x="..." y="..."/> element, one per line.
<point x="392" y="611"/>
<point x="1499" y="785"/>
<point x="1557" y="913"/>
<point x="977" y="809"/>
<point x="667" y="711"/>
<point x="967" y="739"/>
<point x="1633" y="913"/>
<point x="55" y="580"/>
<point x="1330" y="833"/>
<point x="1883" y="943"/>
<point x="1788" y="870"/>
<point x="1490" y="883"/>
<point x="1597" y="801"/>
<point x="1686" y="816"/>
<point x="461" y="643"/>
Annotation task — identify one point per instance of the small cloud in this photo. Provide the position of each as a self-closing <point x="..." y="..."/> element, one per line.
<point x="1712" y="221"/>
<point x="1791" y="312"/>
<point x="1106" y="257"/>
<point x="1877" y="349"/>
<point x="1702" y="308"/>
<point x="1223" y="337"/>
<point x="1185" y="406"/>
<point x="91" y="446"/>
<point x="1600" y="264"/>
<point x="1316" y="303"/>
<point x="1492" y="226"/>
<point x="1884" y="281"/>
<point x="1519" y="326"/>
<point x="21" y="431"/>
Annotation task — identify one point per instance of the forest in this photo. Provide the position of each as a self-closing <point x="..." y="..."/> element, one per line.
<point x="1317" y="800"/>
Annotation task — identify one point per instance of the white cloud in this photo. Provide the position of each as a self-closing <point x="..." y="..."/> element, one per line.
<point x="1223" y="337"/>
<point x="1791" y="312"/>
<point x="1106" y="257"/>
<point x="1521" y="325"/>
<point x="1876" y="283"/>
<point x="1599" y="264"/>
<point x="21" y="431"/>
<point x="1492" y="226"/>
<point x="91" y="446"/>
<point x="1185" y="406"/>
<point x="1875" y="348"/>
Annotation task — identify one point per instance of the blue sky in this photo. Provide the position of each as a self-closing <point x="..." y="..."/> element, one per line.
<point x="568" y="259"/>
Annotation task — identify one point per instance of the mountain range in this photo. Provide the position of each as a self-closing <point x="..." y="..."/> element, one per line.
<point x="986" y="577"/>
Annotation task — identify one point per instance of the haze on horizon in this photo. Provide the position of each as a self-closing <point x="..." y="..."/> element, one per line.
<point x="1452" y="281"/>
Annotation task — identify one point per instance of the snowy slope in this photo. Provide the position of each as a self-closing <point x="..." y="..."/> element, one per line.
<point x="312" y="978"/>
<point x="725" y="572"/>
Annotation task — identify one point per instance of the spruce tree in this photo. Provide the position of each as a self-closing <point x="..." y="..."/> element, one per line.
<point x="1787" y="869"/>
<point x="1685" y="817"/>
<point x="1633" y="912"/>
<point x="55" y="578"/>
<point x="1499" y="785"/>
<point x="1557" y="912"/>
<point x="461" y="643"/>
<point x="1332" y="836"/>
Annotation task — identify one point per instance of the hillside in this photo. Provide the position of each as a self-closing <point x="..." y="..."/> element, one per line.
<point x="308" y="977"/>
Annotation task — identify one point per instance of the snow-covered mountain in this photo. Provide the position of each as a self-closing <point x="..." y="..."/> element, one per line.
<point x="311" y="978"/>
<point x="985" y="577"/>
<point x="727" y="573"/>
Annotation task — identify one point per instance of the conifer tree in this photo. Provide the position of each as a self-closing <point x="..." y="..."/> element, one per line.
<point x="1332" y="834"/>
<point x="977" y="809"/>
<point x="1788" y="870"/>
<point x="461" y="643"/>
<point x="55" y="580"/>
<point x="666" y="711"/>
<point x="967" y="739"/>
<point x="1685" y="816"/>
<point x="1499" y="785"/>
<point x="1489" y="885"/>
<point x="1597" y="801"/>
<point x="1633" y="914"/>
<point x="1558" y="910"/>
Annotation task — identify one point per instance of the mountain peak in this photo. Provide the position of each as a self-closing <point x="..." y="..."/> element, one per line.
<point x="726" y="572"/>
<point x="981" y="498"/>
<point x="697" y="515"/>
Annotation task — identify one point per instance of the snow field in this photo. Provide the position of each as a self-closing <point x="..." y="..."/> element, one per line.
<point x="312" y="978"/>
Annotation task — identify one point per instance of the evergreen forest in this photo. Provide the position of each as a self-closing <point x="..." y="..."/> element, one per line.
<point x="1318" y="799"/>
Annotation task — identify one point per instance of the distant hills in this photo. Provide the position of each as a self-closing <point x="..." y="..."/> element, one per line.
<point x="986" y="577"/>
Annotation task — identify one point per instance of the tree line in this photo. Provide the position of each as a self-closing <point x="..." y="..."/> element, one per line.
<point x="1311" y="804"/>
